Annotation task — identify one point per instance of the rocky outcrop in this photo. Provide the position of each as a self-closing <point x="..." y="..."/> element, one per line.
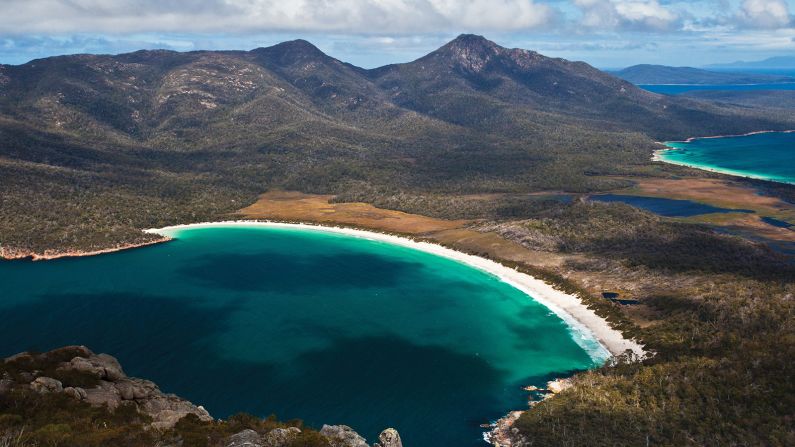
<point x="389" y="438"/>
<point x="342" y="436"/>
<point x="100" y="381"/>
<point x="336" y="435"/>
<point x="110" y="386"/>
<point x="503" y="433"/>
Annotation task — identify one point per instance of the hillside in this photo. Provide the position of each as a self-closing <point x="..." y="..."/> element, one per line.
<point x="661" y="74"/>
<point x="94" y="148"/>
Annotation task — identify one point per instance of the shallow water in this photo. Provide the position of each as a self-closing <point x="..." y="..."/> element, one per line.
<point x="768" y="156"/>
<point x="666" y="207"/>
<point x="303" y="324"/>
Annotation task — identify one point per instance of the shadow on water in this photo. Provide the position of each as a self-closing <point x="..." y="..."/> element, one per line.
<point x="666" y="207"/>
<point x="278" y="271"/>
<point x="433" y="395"/>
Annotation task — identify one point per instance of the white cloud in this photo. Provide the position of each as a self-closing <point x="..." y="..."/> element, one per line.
<point x="768" y="14"/>
<point x="351" y="16"/>
<point x="644" y="15"/>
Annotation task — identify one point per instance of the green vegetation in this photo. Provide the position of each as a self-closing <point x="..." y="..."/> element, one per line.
<point x="29" y="419"/>
<point x="95" y="148"/>
<point x="719" y="314"/>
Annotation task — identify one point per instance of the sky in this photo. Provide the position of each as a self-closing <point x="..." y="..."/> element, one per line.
<point x="371" y="33"/>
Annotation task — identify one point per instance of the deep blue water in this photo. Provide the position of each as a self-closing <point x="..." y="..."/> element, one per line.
<point x="768" y="156"/>
<point x="677" y="89"/>
<point x="303" y="324"/>
<point x="776" y="222"/>
<point x="666" y="207"/>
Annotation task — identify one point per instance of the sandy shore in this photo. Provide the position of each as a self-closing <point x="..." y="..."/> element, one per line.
<point x="756" y="132"/>
<point x="657" y="155"/>
<point x="583" y="321"/>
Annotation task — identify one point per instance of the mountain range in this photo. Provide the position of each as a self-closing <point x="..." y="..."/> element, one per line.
<point x="96" y="147"/>
<point x="661" y="74"/>
<point x="771" y="63"/>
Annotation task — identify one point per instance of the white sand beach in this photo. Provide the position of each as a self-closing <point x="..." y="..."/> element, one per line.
<point x="583" y="321"/>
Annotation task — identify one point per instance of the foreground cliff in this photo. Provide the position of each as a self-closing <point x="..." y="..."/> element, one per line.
<point x="74" y="397"/>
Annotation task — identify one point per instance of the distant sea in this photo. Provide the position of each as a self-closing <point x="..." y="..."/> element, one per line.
<point x="767" y="156"/>
<point x="304" y="324"/>
<point x="675" y="89"/>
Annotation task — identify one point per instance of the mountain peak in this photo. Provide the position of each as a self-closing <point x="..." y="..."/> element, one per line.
<point x="292" y="51"/>
<point x="469" y="52"/>
<point x="473" y="41"/>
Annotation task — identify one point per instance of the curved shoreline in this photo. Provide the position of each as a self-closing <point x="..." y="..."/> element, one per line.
<point x="582" y="321"/>
<point x="756" y="132"/>
<point x="658" y="155"/>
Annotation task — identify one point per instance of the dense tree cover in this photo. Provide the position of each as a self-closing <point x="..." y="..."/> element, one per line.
<point x="720" y="328"/>
<point x="94" y="148"/>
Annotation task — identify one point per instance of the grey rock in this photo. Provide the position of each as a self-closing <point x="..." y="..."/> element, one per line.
<point x="76" y="393"/>
<point x="46" y="385"/>
<point x="135" y="389"/>
<point x="389" y="438"/>
<point x="102" y="366"/>
<point x="342" y="436"/>
<point x="280" y="437"/>
<point x="103" y="394"/>
<point x="166" y="410"/>
<point x="246" y="438"/>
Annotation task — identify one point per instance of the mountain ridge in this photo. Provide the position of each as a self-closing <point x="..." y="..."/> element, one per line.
<point x="195" y="134"/>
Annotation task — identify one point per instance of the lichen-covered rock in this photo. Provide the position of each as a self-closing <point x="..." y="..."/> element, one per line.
<point x="246" y="438"/>
<point x="46" y="385"/>
<point x="280" y="437"/>
<point x="389" y="438"/>
<point x="342" y="436"/>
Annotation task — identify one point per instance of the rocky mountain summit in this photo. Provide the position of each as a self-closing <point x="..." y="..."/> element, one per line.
<point x="74" y="377"/>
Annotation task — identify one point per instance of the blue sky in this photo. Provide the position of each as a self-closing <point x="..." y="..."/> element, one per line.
<point x="369" y="33"/>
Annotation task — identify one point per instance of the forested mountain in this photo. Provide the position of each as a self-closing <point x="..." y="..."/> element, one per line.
<point x="661" y="74"/>
<point x="93" y="148"/>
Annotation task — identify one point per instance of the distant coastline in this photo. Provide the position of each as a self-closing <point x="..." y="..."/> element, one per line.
<point x="660" y="155"/>
<point x="756" y="132"/>
<point x="569" y="308"/>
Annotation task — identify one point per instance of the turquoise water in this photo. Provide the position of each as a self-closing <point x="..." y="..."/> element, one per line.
<point x="675" y="89"/>
<point x="303" y="324"/>
<point x="768" y="156"/>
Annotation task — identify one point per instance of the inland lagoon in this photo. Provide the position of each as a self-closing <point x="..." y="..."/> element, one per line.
<point x="765" y="155"/>
<point x="303" y="323"/>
